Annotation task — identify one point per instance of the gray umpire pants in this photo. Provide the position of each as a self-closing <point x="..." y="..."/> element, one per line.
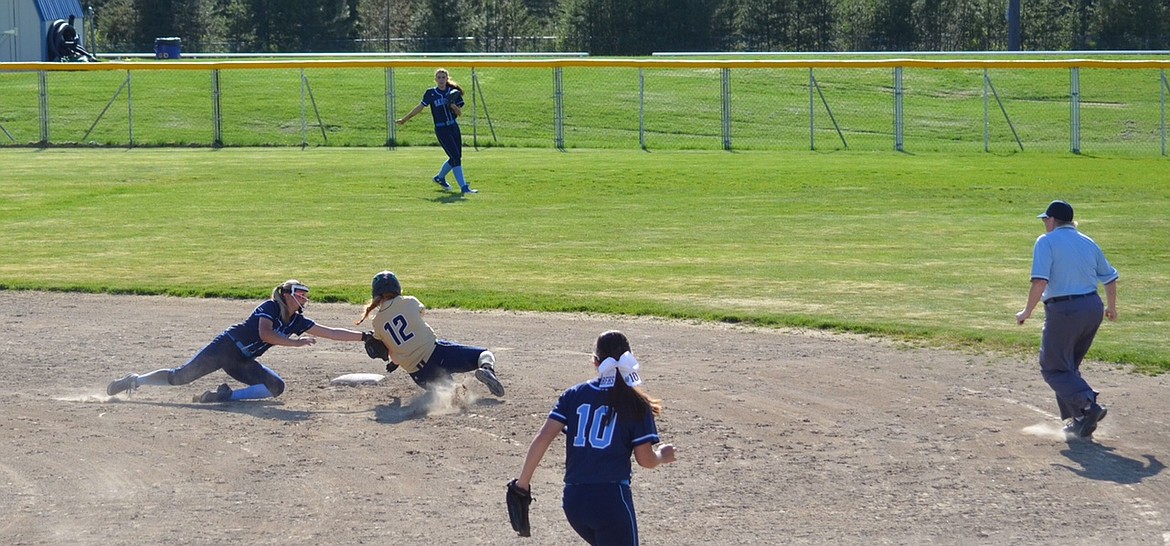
<point x="1069" y="329"/>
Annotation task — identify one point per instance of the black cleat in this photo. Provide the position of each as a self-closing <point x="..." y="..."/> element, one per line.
<point x="1093" y="415"/>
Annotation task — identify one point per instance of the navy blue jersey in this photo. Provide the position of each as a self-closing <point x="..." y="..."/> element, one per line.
<point x="439" y="100"/>
<point x="594" y="454"/>
<point x="247" y="334"/>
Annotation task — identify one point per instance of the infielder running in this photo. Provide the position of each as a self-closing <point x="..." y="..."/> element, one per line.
<point x="274" y="322"/>
<point x="604" y="420"/>
<point x="413" y="346"/>
<point x="1066" y="268"/>
<point x="446" y="102"/>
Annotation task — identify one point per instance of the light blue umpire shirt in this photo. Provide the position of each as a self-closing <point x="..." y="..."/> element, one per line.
<point x="1071" y="262"/>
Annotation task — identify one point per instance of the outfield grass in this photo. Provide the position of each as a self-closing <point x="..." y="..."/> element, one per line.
<point x="934" y="248"/>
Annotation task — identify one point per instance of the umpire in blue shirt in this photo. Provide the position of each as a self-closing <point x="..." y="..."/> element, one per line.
<point x="1066" y="268"/>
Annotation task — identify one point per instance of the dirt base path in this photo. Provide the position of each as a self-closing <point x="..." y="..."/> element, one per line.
<point x="783" y="437"/>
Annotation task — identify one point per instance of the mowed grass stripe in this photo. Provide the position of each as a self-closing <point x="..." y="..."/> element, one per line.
<point x="933" y="247"/>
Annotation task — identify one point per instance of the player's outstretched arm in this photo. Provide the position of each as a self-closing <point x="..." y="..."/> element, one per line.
<point x="269" y="335"/>
<point x="406" y="118"/>
<point x="336" y="334"/>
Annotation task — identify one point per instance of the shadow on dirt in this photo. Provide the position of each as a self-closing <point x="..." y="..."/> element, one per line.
<point x="427" y="404"/>
<point x="263" y="409"/>
<point x="1099" y="462"/>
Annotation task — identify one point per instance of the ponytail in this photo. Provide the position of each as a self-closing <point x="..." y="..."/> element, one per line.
<point x="374" y="304"/>
<point x="283" y="288"/>
<point x="632" y="401"/>
<point x="625" y="400"/>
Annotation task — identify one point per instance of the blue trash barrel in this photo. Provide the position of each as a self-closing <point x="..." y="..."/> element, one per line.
<point x="167" y="48"/>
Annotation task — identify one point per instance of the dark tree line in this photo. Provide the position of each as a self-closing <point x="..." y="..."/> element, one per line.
<point x="625" y="27"/>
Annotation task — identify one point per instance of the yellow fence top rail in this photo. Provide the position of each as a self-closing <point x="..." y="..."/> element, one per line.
<point x="591" y="62"/>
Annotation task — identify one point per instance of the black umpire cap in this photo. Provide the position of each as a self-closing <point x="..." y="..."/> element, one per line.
<point x="1060" y="210"/>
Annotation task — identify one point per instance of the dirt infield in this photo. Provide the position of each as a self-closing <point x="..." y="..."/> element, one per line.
<point x="783" y="437"/>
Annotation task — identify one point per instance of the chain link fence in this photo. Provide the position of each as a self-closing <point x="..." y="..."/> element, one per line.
<point x="1079" y="106"/>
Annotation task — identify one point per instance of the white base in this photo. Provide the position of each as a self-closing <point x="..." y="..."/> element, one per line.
<point x="355" y="379"/>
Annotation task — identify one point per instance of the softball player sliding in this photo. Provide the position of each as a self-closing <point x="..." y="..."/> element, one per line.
<point x="235" y="351"/>
<point x="604" y="420"/>
<point x="446" y="102"/>
<point x="413" y="346"/>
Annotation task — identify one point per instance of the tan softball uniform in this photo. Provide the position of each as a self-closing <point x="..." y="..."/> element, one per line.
<point x="399" y="324"/>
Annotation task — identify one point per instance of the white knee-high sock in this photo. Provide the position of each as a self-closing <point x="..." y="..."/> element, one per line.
<point x="159" y="378"/>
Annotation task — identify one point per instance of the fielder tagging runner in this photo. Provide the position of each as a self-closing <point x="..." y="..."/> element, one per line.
<point x="274" y="322"/>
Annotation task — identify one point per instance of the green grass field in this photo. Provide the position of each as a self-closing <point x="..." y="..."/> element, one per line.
<point x="932" y="248"/>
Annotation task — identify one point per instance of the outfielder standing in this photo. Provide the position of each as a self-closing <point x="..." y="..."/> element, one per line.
<point x="1066" y="268"/>
<point x="235" y="351"/>
<point x="413" y="345"/>
<point x="446" y="102"/>
<point x="604" y="420"/>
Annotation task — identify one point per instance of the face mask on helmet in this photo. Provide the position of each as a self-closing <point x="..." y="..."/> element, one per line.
<point x="300" y="293"/>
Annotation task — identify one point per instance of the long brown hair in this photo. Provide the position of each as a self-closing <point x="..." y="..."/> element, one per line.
<point x="625" y="400"/>
<point x="450" y="82"/>
<point x="373" y="304"/>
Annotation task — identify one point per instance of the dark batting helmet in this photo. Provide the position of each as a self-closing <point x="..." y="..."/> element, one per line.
<point x="385" y="283"/>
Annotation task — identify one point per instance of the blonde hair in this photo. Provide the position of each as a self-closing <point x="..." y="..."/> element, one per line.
<point x="285" y="287"/>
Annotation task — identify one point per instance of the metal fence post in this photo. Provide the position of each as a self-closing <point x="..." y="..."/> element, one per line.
<point x="1075" y="109"/>
<point x="1162" y="92"/>
<point x="43" y="90"/>
<point x="130" y="105"/>
<point x="812" y="124"/>
<point x="391" y="125"/>
<point x="474" y="110"/>
<point x="642" y="108"/>
<point x="304" y="120"/>
<point x="899" y="144"/>
<point x="559" y="108"/>
<point x="216" y="111"/>
<point x="986" y="116"/>
<point x="726" y="113"/>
